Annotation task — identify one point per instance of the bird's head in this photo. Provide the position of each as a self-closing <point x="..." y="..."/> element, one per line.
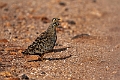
<point x="55" y="23"/>
<point x="55" y="20"/>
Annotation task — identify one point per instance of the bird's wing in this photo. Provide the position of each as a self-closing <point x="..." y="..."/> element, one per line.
<point x="38" y="40"/>
<point x="42" y="36"/>
<point x="31" y="49"/>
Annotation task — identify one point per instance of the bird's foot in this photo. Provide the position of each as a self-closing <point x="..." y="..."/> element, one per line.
<point x="41" y="59"/>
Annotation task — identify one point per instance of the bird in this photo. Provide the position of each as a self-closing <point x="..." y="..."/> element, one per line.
<point x="45" y="42"/>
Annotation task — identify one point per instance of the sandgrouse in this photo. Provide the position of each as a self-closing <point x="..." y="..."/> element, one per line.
<point x="45" y="42"/>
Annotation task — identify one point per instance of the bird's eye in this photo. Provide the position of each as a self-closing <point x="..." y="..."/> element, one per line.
<point x="55" y="20"/>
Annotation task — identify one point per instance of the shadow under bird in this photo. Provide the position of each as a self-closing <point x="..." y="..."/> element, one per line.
<point x="45" y="42"/>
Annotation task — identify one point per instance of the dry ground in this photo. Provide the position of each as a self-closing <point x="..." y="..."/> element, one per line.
<point x="88" y="45"/>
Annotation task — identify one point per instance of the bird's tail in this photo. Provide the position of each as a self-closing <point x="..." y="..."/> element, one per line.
<point x="25" y="52"/>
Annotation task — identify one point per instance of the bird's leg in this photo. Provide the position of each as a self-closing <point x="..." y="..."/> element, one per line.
<point x="41" y="57"/>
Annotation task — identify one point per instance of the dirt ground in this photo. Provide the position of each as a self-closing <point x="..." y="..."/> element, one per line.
<point x="88" y="44"/>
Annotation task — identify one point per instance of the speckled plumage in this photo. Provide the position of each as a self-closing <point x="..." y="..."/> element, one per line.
<point x="45" y="42"/>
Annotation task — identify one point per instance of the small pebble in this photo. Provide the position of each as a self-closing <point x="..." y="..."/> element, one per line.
<point x="43" y="73"/>
<point x="66" y="9"/>
<point x="62" y="3"/>
<point x="11" y="78"/>
<point x="94" y="1"/>
<point x="80" y="36"/>
<point x="45" y="20"/>
<point x="71" y="22"/>
<point x="6" y="9"/>
<point x="2" y="4"/>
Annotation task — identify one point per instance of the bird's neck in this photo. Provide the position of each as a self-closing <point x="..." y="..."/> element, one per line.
<point x="51" y="29"/>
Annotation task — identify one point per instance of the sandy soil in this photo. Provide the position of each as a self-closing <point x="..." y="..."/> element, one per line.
<point x="88" y="44"/>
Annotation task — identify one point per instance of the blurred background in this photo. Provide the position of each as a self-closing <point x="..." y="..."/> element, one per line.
<point x="88" y="39"/>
